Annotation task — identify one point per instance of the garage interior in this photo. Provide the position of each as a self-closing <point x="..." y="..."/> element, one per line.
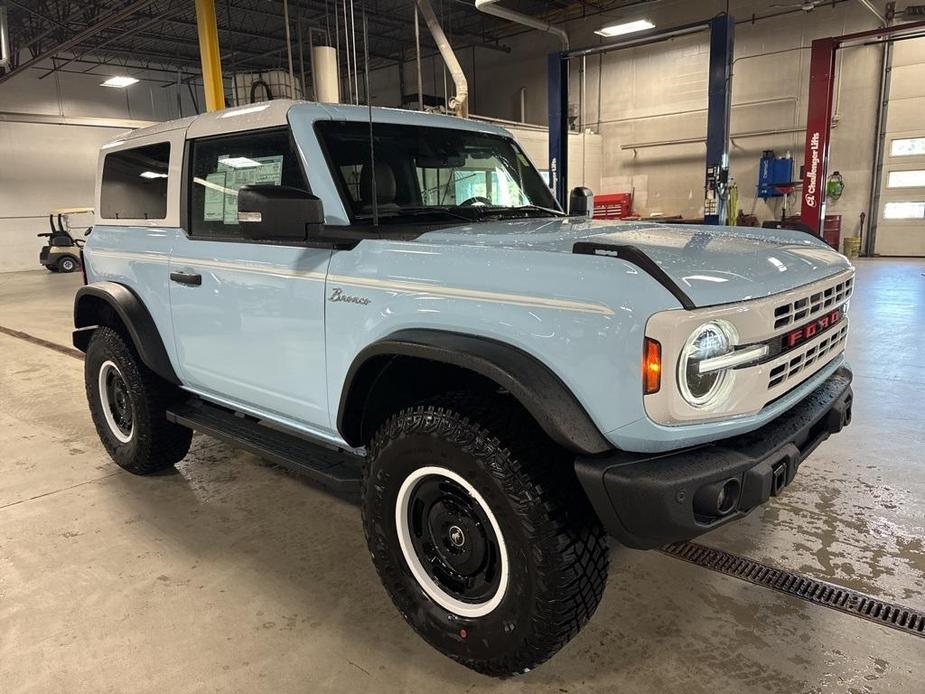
<point x="232" y="574"/>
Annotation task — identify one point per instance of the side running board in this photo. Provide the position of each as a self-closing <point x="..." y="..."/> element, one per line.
<point x="634" y="255"/>
<point x="333" y="469"/>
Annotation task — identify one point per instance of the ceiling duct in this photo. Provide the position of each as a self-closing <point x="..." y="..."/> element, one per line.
<point x="324" y="77"/>
<point x="460" y="102"/>
<point x="494" y="9"/>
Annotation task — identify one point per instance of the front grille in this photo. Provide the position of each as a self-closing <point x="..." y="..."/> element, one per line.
<point x="807" y="357"/>
<point x="813" y="303"/>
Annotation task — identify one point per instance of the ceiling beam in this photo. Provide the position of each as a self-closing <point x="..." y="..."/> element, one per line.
<point x="122" y="35"/>
<point x="91" y="31"/>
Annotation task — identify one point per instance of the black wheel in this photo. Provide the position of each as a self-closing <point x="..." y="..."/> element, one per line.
<point x="128" y="404"/>
<point x="481" y="533"/>
<point x="67" y="264"/>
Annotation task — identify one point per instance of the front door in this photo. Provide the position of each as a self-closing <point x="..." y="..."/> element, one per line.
<point x="248" y="317"/>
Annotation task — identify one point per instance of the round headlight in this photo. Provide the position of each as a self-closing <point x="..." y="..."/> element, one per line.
<point x="708" y="341"/>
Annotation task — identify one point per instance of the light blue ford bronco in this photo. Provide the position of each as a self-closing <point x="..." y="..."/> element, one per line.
<point x="394" y="304"/>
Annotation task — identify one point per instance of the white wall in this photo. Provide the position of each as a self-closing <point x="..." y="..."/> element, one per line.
<point x="50" y="132"/>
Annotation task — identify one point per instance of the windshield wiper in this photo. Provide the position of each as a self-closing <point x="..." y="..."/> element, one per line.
<point x="419" y="212"/>
<point x="502" y="212"/>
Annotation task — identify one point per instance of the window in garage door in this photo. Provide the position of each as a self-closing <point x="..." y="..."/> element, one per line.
<point x="901" y="217"/>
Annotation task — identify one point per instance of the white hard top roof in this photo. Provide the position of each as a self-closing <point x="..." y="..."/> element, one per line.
<point x="269" y="114"/>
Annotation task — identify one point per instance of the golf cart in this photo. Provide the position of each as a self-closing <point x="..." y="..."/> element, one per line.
<point x="62" y="254"/>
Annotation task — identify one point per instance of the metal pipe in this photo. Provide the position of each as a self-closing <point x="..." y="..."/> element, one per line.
<point x="4" y="38"/>
<point x="417" y="47"/>
<point x="336" y="49"/>
<point x="288" y="48"/>
<point x="701" y="109"/>
<point x="697" y="140"/>
<point x="298" y="28"/>
<point x="347" y="53"/>
<point x="870" y="6"/>
<point x="356" y="64"/>
<point x="460" y="102"/>
<point x="523" y="104"/>
<point x="369" y="113"/>
<point x="491" y="7"/>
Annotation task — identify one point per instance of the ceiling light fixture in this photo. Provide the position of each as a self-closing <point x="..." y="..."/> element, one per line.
<point x="119" y="81"/>
<point x="152" y="174"/>
<point x="239" y="162"/>
<point x="625" y="28"/>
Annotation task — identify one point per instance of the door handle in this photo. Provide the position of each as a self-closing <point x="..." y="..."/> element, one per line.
<point x="186" y="278"/>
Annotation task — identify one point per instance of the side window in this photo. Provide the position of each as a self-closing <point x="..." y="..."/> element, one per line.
<point x="219" y="166"/>
<point x="134" y="184"/>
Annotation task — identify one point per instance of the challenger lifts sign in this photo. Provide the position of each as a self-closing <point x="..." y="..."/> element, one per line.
<point x="811" y="184"/>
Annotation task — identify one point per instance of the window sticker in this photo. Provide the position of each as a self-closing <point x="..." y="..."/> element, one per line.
<point x="221" y="194"/>
<point x="215" y="198"/>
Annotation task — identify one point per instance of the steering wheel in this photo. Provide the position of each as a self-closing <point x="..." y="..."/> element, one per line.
<point x="475" y="200"/>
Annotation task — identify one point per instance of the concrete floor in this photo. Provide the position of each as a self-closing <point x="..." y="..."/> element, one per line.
<point x="231" y="575"/>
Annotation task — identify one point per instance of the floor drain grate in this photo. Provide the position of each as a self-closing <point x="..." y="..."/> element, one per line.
<point x="48" y="344"/>
<point x="813" y="590"/>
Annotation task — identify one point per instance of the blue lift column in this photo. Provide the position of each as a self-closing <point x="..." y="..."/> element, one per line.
<point x="719" y="102"/>
<point x="557" y="102"/>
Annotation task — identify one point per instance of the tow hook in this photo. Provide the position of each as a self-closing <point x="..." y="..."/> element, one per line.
<point x="778" y="477"/>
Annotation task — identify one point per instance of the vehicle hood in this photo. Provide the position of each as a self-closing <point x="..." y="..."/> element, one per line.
<point x="712" y="265"/>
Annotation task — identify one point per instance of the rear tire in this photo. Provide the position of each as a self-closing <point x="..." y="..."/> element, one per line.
<point x="481" y="534"/>
<point x="128" y="403"/>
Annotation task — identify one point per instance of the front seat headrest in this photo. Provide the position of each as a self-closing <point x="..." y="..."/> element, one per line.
<point x="385" y="184"/>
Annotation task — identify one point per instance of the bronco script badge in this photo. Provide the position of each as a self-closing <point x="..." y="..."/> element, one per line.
<point x="338" y="294"/>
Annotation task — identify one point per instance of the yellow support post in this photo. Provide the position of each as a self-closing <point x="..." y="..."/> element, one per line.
<point x="208" y="51"/>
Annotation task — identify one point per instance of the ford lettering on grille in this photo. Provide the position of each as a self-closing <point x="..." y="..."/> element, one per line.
<point x="805" y="332"/>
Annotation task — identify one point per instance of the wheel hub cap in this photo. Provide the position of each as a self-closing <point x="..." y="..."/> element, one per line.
<point x="451" y="541"/>
<point x="116" y="402"/>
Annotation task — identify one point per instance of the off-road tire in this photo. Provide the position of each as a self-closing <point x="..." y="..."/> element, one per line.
<point x="556" y="548"/>
<point x="155" y="443"/>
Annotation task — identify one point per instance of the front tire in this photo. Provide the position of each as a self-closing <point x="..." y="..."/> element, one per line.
<point x="481" y="533"/>
<point x="128" y="403"/>
<point x="67" y="264"/>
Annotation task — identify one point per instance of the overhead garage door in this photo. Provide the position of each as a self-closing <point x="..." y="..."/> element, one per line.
<point x="901" y="223"/>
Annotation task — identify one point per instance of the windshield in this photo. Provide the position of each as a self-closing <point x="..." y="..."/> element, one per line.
<point x="425" y="171"/>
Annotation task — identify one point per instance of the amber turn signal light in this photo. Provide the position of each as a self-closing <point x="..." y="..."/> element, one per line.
<point x="651" y="366"/>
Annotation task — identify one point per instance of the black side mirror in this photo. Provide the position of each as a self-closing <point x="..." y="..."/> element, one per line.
<point x="581" y="202"/>
<point x="278" y="213"/>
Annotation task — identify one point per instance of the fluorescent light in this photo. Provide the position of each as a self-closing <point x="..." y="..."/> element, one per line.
<point x="119" y="81"/>
<point x="239" y="162"/>
<point x="152" y="174"/>
<point x="625" y="28"/>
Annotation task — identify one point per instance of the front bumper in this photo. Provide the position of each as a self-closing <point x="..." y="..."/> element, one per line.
<point x="647" y="500"/>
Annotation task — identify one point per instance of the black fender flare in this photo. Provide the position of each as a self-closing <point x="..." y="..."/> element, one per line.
<point x="540" y="391"/>
<point x="134" y="316"/>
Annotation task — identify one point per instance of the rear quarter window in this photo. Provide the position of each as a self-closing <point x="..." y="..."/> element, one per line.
<point x="134" y="184"/>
